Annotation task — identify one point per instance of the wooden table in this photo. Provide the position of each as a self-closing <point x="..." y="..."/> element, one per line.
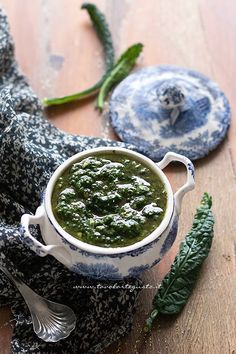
<point x="58" y="51"/>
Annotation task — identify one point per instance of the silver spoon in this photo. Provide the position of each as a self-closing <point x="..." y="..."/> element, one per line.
<point x="51" y="321"/>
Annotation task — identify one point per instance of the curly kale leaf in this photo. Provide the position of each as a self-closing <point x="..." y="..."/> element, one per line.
<point x="102" y="29"/>
<point x="120" y="70"/>
<point x="178" y="284"/>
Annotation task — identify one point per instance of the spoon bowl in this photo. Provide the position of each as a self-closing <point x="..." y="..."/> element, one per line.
<point x="51" y="321"/>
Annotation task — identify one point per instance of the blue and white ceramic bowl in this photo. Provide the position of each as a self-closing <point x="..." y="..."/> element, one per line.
<point x="108" y="263"/>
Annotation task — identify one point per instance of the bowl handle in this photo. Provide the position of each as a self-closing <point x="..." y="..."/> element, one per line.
<point x="190" y="183"/>
<point x="59" y="252"/>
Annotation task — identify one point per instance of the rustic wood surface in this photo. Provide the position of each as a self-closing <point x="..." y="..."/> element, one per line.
<point x="58" y="51"/>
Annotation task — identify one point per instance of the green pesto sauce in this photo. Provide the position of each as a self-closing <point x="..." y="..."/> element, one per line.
<point x="109" y="200"/>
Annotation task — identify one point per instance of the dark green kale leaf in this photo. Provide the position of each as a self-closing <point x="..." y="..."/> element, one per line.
<point x="120" y="70"/>
<point x="102" y="29"/>
<point x="178" y="284"/>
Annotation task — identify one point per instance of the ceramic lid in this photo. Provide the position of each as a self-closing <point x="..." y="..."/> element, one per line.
<point x="169" y="108"/>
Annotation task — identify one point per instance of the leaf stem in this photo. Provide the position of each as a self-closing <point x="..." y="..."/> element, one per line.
<point x="149" y="321"/>
<point x="92" y="91"/>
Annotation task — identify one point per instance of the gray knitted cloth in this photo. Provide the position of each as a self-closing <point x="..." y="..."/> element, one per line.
<point x="30" y="150"/>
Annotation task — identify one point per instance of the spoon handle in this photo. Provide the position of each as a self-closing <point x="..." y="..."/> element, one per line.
<point x="28" y="294"/>
<point x="12" y="277"/>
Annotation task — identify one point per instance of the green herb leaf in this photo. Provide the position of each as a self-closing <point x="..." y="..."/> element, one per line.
<point x="121" y="69"/>
<point x="103" y="32"/>
<point x="178" y="284"/>
<point x="102" y="29"/>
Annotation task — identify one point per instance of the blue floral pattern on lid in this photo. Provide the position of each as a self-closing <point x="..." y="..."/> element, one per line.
<point x="170" y="108"/>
